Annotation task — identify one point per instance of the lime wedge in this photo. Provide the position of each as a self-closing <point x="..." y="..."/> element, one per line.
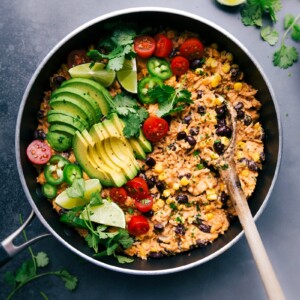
<point x="97" y="73"/>
<point x="127" y="76"/>
<point x="231" y="2"/>
<point x="109" y="213"/>
<point x="91" y="186"/>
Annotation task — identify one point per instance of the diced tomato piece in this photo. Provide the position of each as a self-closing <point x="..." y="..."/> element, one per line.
<point x="38" y="152"/>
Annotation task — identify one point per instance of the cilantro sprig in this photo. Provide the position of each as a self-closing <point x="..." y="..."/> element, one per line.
<point x="29" y="271"/>
<point x="170" y="100"/>
<point x="119" y="44"/>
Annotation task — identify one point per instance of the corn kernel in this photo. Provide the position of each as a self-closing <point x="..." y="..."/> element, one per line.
<point x="209" y="216"/>
<point x="155" y="207"/>
<point x="214" y="63"/>
<point x="166" y="193"/>
<point x="199" y="71"/>
<point x="216" y="80"/>
<point x="212" y="197"/>
<point x="181" y="207"/>
<point x="208" y="62"/>
<point x="158" y="168"/>
<point x="226" y="68"/>
<point x="170" y="200"/>
<point x="202" y="144"/>
<point x="241" y="145"/>
<point x="214" y="155"/>
<point x="225" y="141"/>
<point x="240" y="154"/>
<point x="238" y="86"/>
<point x="210" y="191"/>
<point x="176" y="186"/>
<point x="184" y="181"/>
<point x="162" y="176"/>
<point x="257" y="125"/>
<point x="221" y="185"/>
<point x="208" y="207"/>
<point x="219" y="100"/>
<point x="256" y="157"/>
<point x="245" y="172"/>
<point x="229" y="56"/>
<point x="160" y="203"/>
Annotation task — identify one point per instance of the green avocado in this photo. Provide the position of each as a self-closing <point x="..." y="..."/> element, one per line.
<point x="61" y="118"/>
<point x="93" y="111"/>
<point x="62" y="128"/>
<point x="73" y="106"/>
<point x="144" y="143"/>
<point x="59" y="141"/>
<point x="93" y="89"/>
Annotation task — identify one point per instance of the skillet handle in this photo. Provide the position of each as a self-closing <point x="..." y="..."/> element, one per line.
<point x="7" y="247"/>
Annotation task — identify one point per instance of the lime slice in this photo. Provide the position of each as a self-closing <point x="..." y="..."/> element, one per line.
<point x="97" y="73"/>
<point x="91" y="186"/>
<point x="127" y="76"/>
<point x="231" y="2"/>
<point x="109" y="213"/>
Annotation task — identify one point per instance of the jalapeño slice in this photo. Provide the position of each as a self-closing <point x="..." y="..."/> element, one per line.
<point x="159" y="68"/>
<point x="54" y="170"/>
<point x="49" y="190"/>
<point x="72" y="172"/>
<point x="145" y="85"/>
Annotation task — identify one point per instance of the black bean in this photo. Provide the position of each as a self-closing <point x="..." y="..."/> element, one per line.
<point x="197" y="63"/>
<point x="252" y="165"/>
<point x="182" y="199"/>
<point x="194" y="131"/>
<point x="247" y="120"/>
<point x="221" y="111"/>
<point x="192" y="142"/>
<point x="160" y="186"/>
<point x="240" y="114"/>
<point x="156" y="255"/>
<point x="159" y="227"/>
<point x="150" y="161"/>
<point x="180" y="229"/>
<point x="187" y="175"/>
<point x="151" y="182"/>
<point x="173" y="52"/>
<point x="224" y="198"/>
<point x="200" y="94"/>
<point x="168" y="119"/>
<point x="39" y="134"/>
<point x="239" y="106"/>
<point x="59" y="80"/>
<point x="204" y="227"/>
<point x="149" y="213"/>
<point x="201" y="110"/>
<point x="40" y="114"/>
<point x="187" y="119"/>
<point x="224" y="131"/>
<point x="181" y="135"/>
<point x="172" y="147"/>
<point x="221" y="122"/>
<point x="236" y="74"/>
<point x="201" y="243"/>
<point x="219" y="147"/>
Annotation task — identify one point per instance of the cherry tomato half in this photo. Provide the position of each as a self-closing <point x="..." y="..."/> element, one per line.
<point x="164" y="46"/>
<point x="38" y="152"/>
<point x="118" y="195"/>
<point x="77" y="57"/>
<point x="137" y="188"/>
<point x="155" y="128"/>
<point x="179" y="65"/>
<point x="144" y="46"/>
<point x="192" y="48"/>
<point x="144" y="205"/>
<point x="138" y="225"/>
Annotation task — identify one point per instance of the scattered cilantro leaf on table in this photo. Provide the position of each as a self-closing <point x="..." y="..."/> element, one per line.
<point x="269" y="35"/>
<point x="29" y="271"/>
<point x="170" y="100"/>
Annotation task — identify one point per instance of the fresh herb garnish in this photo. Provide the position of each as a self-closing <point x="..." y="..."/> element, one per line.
<point x="170" y="100"/>
<point x="269" y="35"/>
<point x="77" y="189"/>
<point x="119" y="44"/>
<point x="196" y="153"/>
<point x="29" y="271"/>
<point x="96" y="199"/>
<point x="200" y="166"/>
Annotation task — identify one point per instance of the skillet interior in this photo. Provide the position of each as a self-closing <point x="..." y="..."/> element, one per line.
<point x="40" y="83"/>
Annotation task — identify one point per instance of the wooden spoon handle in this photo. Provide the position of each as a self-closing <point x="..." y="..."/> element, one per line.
<point x="261" y="258"/>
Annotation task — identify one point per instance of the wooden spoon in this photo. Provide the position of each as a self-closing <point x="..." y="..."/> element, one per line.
<point x="230" y="177"/>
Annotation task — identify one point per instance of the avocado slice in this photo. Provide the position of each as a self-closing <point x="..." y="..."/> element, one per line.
<point x="60" y="118"/>
<point x="94" y="109"/>
<point x="59" y="141"/>
<point x="93" y="89"/>
<point x="73" y="106"/>
<point x="144" y="143"/>
<point x="62" y="128"/>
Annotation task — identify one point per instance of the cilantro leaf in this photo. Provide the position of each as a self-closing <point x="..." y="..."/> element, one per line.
<point x="96" y="199"/>
<point x="285" y="56"/>
<point x="10" y="279"/>
<point x="77" y="189"/>
<point x="26" y="271"/>
<point x="296" y="33"/>
<point x="92" y="241"/>
<point x="69" y="280"/>
<point x="288" y="20"/>
<point x="124" y="238"/>
<point x="42" y="259"/>
<point x="269" y="35"/>
<point x="132" y="125"/>
<point x="123" y="37"/>
<point x="124" y="259"/>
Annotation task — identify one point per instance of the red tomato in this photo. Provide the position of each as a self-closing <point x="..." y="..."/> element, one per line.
<point x="118" y="195"/>
<point x="144" y="205"/>
<point x="179" y="65"/>
<point x="77" y="57"/>
<point x="138" y="225"/>
<point x="144" y="46"/>
<point x="137" y="188"/>
<point x="192" y="48"/>
<point x="38" y="152"/>
<point x="155" y="128"/>
<point x="164" y="46"/>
